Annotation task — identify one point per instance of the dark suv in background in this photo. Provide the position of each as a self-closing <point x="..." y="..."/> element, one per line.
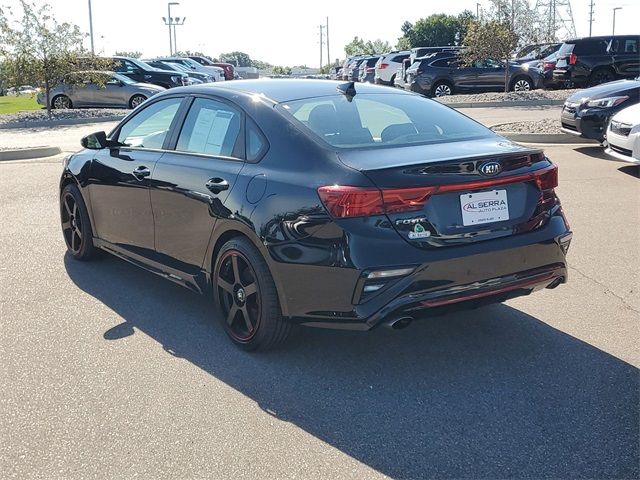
<point x="441" y="74"/>
<point x="595" y="60"/>
<point x="143" y="72"/>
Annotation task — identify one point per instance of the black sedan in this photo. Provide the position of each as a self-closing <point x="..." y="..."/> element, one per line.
<point x="440" y="75"/>
<point x="317" y="203"/>
<point x="587" y="112"/>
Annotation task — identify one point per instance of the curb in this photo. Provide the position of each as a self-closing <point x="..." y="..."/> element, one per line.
<point x="63" y="121"/>
<point x="28" y="153"/>
<point x="557" y="138"/>
<point x="506" y="104"/>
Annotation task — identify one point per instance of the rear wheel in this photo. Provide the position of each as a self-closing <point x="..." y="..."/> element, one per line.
<point x="601" y="75"/>
<point x="136" y="100"/>
<point x="76" y="227"/>
<point x="247" y="296"/>
<point x="61" y="102"/>
<point x="442" y="89"/>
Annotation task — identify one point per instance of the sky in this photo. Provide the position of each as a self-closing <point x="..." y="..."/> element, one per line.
<point x="283" y="32"/>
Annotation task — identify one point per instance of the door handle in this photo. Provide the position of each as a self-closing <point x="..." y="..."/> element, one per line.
<point x="141" y="172"/>
<point x="217" y="185"/>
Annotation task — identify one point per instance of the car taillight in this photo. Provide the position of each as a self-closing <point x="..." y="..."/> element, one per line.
<point x="547" y="179"/>
<point x="383" y="65"/>
<point x="549" y="65"/>
<point x="343" y="201"/>
<point x="346" y="201"/>
<point x="573" y="58"/>
<point x="371" y="69"/>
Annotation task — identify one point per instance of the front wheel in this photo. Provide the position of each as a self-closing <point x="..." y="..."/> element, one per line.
<point x="522" y="84"/>
<point x="76" y="227"/>
<point x="136" y="100"/>
<point x="247" y="297"/>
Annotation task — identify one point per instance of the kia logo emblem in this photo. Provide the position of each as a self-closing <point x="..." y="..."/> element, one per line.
<point x="490" y="168"/>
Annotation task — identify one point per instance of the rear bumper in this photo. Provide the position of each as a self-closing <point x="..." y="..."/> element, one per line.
<point x="454" y="283"/>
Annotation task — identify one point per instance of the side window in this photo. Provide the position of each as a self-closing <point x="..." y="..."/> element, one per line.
<point x="628" y="45"/>
<point x="256" y="143"/>
<point x="149" y="128"/>
<point x="211" y="127"/>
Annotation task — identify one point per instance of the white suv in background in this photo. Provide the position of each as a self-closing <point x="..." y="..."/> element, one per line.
<point x="388" y="66"/>
<point x="623" y="135"/>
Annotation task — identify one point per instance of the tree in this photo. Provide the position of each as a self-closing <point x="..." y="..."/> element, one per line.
<point x="464" y="20"/>
<point x="434" y="30"/>
<point x="369" y="47"/>
<point x="134" y="54"/>
<point x="281" y="70"/>
<point x="523" y="18"/>
<point x="38" y="50"/>
<point x="239" y="59"/>
<point x="489" y="40"/>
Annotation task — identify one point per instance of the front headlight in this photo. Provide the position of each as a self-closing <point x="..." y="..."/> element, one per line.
<point x="607" y="102"/>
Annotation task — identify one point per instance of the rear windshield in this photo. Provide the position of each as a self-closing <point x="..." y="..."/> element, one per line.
<point x="381" y="120"/>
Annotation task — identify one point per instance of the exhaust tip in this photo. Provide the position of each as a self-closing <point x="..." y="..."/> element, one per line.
<point x="399" y="323"/>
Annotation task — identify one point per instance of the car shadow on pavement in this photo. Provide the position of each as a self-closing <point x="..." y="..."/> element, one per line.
<point x="491" y="393"/>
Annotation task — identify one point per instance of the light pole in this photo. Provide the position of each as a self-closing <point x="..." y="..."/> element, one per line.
<point x="614" y="19"/>
<point x="176" y="21"/>
<point x="167" y="21"/>
<point x="477" y="11"/>
<point x="91" y="29"/>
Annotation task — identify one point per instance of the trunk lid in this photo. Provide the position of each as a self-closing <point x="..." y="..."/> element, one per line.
<point x="475" y="190"/>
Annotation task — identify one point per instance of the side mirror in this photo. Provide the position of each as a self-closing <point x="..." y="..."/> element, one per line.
<point x="94" y="141"/>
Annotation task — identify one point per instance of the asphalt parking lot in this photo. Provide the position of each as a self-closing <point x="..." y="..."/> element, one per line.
<point x="110" y="372"/>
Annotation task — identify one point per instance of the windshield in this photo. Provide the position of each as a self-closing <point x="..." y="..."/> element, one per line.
<point x="124" y="79"/>
<point x="381" y="120"/>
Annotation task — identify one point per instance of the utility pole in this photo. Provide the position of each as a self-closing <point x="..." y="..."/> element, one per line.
<point x="591" y="4"/>
<point x="321" y="41"/>
<point x="169" y="22"/>
<point x="614" y="19"/>
<point x="91" y="29"/>
<point x="328" y="53"/>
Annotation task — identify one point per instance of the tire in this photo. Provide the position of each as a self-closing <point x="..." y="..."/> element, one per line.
<point x="521" y="84"/>
<point x="600" y="76"/>
<point x="441" y="89"/>
<point x="76" y="226"/>
<point x="136" y="100"/>
<point x="246" y="295"/>
<point x="61" y="102"/>
<point x="392" y="82"/>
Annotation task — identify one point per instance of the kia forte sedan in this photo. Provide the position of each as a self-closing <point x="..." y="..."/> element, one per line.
<point x="317" y="203"/>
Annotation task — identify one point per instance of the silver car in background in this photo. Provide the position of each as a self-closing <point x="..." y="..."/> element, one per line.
<point x="118" y="91"/>
<point x="216" y="72"/>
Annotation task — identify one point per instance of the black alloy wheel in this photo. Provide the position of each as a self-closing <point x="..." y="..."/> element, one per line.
<point x="239" y="295"/>
<point x="246" y="294"/>
<point x="76" y="227"/>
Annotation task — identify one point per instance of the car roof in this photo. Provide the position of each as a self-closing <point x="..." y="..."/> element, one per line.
<point x="280" y="90"/>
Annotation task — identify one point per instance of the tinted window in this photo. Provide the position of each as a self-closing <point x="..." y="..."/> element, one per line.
<point x="379" y="120"/>
<point x="124" y="66"/>
<point x="149" y="128"/>
<point x="625" y="45"/>
<point x="591" y="47"/>
<point x="445" y="62"/>
<point x="211" y="127"/>
<point x="399" y="58"/>
<point x="256" y="143"/>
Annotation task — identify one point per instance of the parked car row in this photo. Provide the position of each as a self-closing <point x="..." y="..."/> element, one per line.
<point x="438" y="71"/>
<point x="609" y="114"/>
<point x="132" y="81"/>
